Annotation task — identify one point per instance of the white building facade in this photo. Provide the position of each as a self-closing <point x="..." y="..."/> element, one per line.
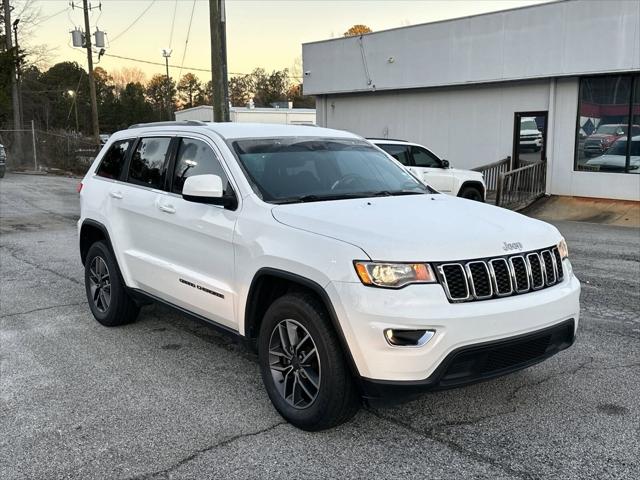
<point x="287" y="116"/>
<point x="465" y="87"/>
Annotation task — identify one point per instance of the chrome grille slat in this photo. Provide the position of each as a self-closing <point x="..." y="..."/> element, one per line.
<point x="498" y="277"/>
<point x="501" y="276"/>
<point x="549" y="267"/>
<point x="476" y="280"/>
<point x="536" y="270"/>
<point x="452" y="290"/>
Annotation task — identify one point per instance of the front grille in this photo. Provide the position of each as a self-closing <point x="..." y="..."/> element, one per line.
<point x="535" y="266"/>
<point x="455" y="281"/>
<point x="482" y="279"/>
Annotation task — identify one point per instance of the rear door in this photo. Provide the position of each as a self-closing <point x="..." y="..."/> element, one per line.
<point x="428" y="167"/>
<point x="136" y="219"/>
<point x="198" y="238"/>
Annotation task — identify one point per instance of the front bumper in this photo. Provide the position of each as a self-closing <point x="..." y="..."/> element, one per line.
<point x="477" y="363"/>
<point x="365" y="312"/>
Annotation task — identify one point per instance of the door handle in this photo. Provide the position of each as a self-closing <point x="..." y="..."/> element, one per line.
<point x="167" y="208"/>
<point x="117" y="195"/>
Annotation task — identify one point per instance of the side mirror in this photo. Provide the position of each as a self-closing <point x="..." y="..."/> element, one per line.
<point x="208" y="189"/>
<point x="445" y="163"/>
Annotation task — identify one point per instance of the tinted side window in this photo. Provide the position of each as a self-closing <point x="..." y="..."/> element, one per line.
<point x="148" y="162"/>
<point x="196" y="158"/>
<point x="424" y="158"/>
<point x="113" y="160"/>
<point x="399" y="152"/>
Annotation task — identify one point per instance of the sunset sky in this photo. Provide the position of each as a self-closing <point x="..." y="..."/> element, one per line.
<point x="267" y="33"/>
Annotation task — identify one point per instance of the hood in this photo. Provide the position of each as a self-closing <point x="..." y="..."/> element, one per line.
<point x="466" y="174"/>
<point x="420" y="227"/>
<point x="619" y="161"/>
<point x="599" y="136"/>
<point x="530" y="132"/>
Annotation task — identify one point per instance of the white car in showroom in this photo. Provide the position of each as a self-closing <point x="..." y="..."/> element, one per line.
<point x="434" y="171"/>
<point x="353" y="280"/>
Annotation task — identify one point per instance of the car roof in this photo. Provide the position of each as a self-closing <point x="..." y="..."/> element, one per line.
<point x="232" y="130"/>
<point x="387" y="140"/>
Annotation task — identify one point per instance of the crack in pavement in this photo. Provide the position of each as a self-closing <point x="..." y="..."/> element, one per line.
<point x="42" y="309"/>
<point x="164" y="473"/>
<point x="433" y="434"/>
<point x="14" y="253"/>
<point x="437" y="434"/>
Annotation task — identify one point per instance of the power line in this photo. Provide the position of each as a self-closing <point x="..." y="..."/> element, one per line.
<point x="133" y="23"/>
<point x="173" y="22"/>
<point x="196" y="69"/>
<point x="50" y="17"/>
<point x="186" y="43"/>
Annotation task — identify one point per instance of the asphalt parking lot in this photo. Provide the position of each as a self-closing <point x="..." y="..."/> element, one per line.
<point x="167" y="397"/>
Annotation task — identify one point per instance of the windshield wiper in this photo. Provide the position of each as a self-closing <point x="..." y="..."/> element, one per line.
<point x="318" y="198"/>
<point x="344" y="196"/>
<point x="395" y="193"/>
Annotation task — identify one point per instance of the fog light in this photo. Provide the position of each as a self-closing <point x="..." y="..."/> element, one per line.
<point x="408" y="338"/>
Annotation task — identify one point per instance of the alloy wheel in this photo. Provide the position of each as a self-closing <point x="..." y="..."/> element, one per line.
<point x="294" y="363"/>
<point x="100" y="284"/>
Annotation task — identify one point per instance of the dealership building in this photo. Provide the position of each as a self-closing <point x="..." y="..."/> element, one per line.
<point x="465" y="88"/>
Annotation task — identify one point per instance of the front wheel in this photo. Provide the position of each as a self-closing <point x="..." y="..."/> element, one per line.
<point x="302" y="365"/>
<point x="471" y="193"/>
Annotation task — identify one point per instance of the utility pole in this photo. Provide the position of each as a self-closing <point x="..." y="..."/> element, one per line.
<point x="166" y="53"/>
<point x="217" y="23"/>
<point x="18" y="73"/>
<point x="17" y="119"/>
<point x="92" y="85"/>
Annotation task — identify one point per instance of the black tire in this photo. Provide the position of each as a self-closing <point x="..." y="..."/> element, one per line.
<point x="471" y="193"/>
<point x="337" y="398"/>
<point x="120" y="308"/>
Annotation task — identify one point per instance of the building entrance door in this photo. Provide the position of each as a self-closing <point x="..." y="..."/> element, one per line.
<point x="529" y="137"/>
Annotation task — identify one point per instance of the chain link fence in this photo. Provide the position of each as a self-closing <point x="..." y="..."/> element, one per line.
<point x="51" y="151"/>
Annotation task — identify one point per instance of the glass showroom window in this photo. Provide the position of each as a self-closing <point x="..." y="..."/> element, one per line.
<point x="608" y="114"/>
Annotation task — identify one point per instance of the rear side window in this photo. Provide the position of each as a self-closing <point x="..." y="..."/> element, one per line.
<point x="195" y="157"/>
<point x="399" y="152"/>
<point x="113" y="161"/>
<point x="148" y="162"/>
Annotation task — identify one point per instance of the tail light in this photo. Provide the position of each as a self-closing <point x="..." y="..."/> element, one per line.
<point x="79" y="187"/>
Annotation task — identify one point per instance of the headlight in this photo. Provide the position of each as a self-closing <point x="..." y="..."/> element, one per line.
<point x="563" y="249"/>
<point x="394" y="275"/>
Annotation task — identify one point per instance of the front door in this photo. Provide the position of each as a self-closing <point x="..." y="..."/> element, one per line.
<point x="198" y="238"/>
<point x="428" y="167"/>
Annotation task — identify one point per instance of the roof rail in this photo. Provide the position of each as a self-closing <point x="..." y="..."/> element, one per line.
<point x="391" y="139"/>
<point x="177" y="123"/>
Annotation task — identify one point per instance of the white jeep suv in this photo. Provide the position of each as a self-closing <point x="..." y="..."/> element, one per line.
<point x="353" y="279"/>
<point x="434" y="171"/>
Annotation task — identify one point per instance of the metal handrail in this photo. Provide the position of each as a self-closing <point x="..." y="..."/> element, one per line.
<point x="492" y="171"/>
<point x="518" y="188"/>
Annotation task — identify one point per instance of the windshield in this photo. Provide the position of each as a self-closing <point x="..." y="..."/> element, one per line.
<point x="294" y="169"/>
<point x="610" y="129"/>
<point x="528" y="125"/>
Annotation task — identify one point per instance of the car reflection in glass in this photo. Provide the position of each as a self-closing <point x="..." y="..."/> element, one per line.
<point x="615" y="158"/>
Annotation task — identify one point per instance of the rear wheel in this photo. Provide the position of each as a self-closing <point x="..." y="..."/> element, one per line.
<point x="108" y="299"/>
<point x="471" y="193"/>
<point x="302" y="365"/>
